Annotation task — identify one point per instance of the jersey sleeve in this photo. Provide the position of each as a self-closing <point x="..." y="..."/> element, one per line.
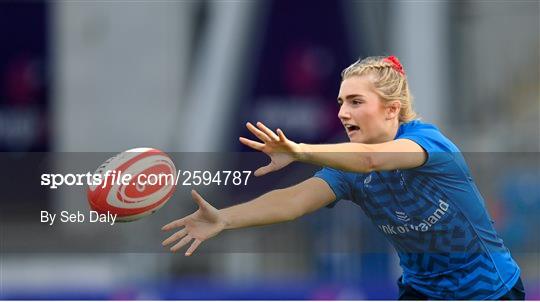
<point x="440" y="150"/>
<point x="337" y="180"/>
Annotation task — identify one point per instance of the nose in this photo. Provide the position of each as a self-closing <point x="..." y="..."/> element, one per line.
<point x="344" y="113"/>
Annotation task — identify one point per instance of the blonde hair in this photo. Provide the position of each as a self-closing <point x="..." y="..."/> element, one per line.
<point x="389" y="80"/>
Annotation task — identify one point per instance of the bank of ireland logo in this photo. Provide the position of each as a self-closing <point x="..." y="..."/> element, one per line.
<point x="402" y="216"/>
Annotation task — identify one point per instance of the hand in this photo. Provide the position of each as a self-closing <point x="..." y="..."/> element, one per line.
<point x="203" y="224"/>
<point x="281" y="150"/>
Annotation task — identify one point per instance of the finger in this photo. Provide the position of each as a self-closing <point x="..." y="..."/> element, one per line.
<point x="174" y="224"/>
<point x="263" y="170"/>
<point x="181" y="243"/>
<point x="258" y="133"/>
<point x="281" y="135"/>
<point x="199" y="200"/>
<point x="193" y="247"/>
<point x="267" y="131"/>
<point x="174" y="237"/>
<point x="252" y="144"/>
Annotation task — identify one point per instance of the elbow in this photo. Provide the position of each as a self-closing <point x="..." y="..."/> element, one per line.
<point x="286" y="209"/>
<point x="294" y="213"/>
<point x="368" y="163"/>
<point x="294" y="208"/>
<point x="371" y="163"/>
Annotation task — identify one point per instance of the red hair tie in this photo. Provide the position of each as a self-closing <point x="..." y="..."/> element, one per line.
<point x="395" y="64"/>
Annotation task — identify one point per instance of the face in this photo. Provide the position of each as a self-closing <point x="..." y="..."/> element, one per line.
<point x="363" y="112"/>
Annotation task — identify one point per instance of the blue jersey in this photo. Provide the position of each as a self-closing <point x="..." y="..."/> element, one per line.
<point x="435" y="218"/>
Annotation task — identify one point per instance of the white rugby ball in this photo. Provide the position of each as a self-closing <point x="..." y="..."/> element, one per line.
<point x="152" y="183"/>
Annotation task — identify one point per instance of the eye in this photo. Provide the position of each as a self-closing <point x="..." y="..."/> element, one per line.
<point x="339" y="103"/>
<point x="357" y="102"/>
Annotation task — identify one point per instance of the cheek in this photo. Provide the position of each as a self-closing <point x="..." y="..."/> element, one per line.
<point x="366" y="116"/>
<point x="376" y="113"/>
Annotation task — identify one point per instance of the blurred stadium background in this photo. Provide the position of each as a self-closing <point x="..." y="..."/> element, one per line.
<point x="185" y="76"/>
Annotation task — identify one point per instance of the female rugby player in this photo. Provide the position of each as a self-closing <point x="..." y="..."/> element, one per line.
<point x="411" y="181"/>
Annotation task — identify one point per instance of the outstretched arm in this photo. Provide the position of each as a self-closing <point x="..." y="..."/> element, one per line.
<point x="353" y="157"/>
<point x="365" y="158"/>
<point x="273" y="207"/>
<point x="280" y="205"/>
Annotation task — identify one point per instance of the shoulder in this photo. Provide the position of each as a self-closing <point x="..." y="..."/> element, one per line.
<point x="443" y="156"/>
<point x="427" y="135"/>
<point x="417" y="126"/>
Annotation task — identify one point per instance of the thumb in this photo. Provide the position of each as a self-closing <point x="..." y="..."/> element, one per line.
<point x="203" y="204"/>
<point x="263" y="170"/>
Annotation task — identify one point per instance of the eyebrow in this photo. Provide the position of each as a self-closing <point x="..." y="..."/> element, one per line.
<point x="351" y="96"/>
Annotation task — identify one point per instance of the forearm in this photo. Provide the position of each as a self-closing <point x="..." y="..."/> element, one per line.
<point x="273" y="207"/>
<point x="354" y="157"/>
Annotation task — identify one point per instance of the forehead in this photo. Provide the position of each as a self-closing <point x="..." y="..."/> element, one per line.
<point x="356" y="85"/>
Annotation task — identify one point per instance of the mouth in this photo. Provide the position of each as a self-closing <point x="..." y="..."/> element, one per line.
<point x="351" y="129"/>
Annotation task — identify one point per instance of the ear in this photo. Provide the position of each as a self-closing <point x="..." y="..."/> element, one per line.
<point x="392" y="109"/>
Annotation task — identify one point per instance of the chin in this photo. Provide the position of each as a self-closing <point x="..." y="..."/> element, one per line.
<point x="357" y="140"/>
<point x="360" y="140"/>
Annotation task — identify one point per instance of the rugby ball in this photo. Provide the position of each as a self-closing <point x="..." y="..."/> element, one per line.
<point x="152" y="176"/>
